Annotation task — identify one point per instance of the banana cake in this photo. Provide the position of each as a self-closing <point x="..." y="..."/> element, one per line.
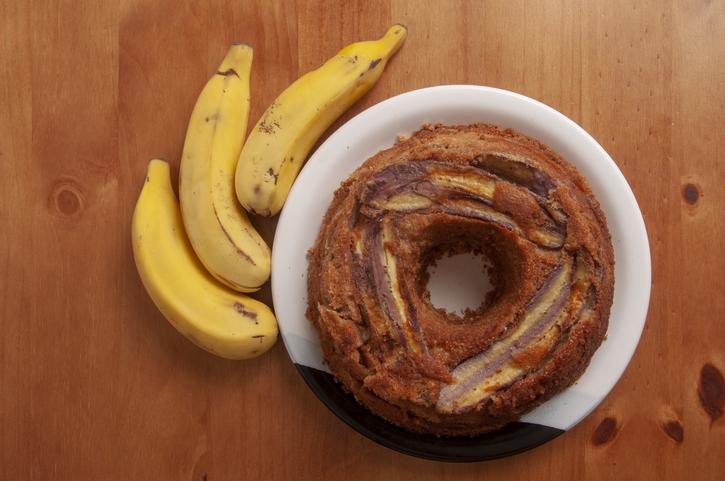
<point x="448" y="190"/>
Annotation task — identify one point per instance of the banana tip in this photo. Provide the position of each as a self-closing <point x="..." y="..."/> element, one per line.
<point x="397" y="34"/>
<point x="157" y="167"/>
<point x="158" y="161"/>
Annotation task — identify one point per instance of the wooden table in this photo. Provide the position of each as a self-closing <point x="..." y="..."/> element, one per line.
<point x="96" y="385"/>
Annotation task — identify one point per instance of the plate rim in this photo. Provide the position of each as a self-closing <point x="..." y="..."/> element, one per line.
<point x="639" y="239"/>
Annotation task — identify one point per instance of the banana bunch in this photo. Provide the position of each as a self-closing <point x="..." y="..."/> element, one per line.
<point x="209" y="314"/>
<point x="193" y="255"/>
<point x="176" y="271"/>
<point x="279" y="143"/>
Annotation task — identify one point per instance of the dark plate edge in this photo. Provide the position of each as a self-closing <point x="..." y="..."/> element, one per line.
<point x="512" y="439"/>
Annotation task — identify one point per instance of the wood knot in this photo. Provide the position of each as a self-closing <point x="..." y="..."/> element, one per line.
<point x="674" y="430"/>
<point x="605" y="432"/>
<point x="690" y="193"/>
<point x="711" y="391"/>
<point x="66" y="198"/>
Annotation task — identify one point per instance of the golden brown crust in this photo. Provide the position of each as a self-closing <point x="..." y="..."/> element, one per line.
<point x="452" y="189"/>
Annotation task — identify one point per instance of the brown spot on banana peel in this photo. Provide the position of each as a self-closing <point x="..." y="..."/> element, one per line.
<point x="371" y="66"/>
<point x="231" y="241"/>
<point x="229" y="72"/>
<point x="266" y="127"/>
<point x="258" y="336"/>
<point x="284" y="159"/>
<point x="242" y="309"/>
<point x="270" y="172"/>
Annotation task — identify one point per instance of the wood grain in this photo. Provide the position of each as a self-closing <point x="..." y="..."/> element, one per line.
<point x="95" y="384"/>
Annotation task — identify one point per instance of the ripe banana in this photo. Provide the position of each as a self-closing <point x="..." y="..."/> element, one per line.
<point x="279" y="143"/>
<point x="218" y="228"/>
<point x="213" y="317"/>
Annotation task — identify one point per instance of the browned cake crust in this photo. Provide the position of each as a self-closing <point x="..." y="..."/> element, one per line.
<point x="448" y="190"/>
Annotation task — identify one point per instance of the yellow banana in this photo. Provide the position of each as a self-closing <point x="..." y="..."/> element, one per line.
<point x="218" y="228"/>
<point x="279" y="143"/>
<point x="209" y="314"/>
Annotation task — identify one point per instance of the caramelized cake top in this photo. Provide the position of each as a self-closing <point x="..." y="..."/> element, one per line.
<point x="450" y="190"/>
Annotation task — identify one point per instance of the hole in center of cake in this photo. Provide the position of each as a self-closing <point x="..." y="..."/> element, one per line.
<point x="460" y="282"/>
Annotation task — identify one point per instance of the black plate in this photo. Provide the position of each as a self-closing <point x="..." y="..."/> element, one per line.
<point x="511" y="439"/>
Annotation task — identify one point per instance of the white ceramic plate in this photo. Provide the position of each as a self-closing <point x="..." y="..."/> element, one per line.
<point x="377" y="128"/>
